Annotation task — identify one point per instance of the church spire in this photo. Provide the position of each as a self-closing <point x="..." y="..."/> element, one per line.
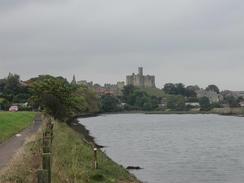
<point x="73" y="82"/>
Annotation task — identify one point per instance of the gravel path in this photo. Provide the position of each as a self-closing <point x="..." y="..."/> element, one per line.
<point x="11" y="146"/>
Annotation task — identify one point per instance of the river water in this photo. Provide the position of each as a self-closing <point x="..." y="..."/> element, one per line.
<point x="174" y="148"/>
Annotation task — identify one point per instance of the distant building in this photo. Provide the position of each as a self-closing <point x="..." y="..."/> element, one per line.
<point x="120" y="85"/>
<point x="239" y="93"/>
<point x="213" y="96"/>
<point x="73" y="82"/>
<point x="141" y="80"/>
<point x="192" y="104"/>
<point x="115" y="89"/>
<point x="236" y="94"/>
<point x="110" y="89"/>
<point x="85" y="83"/>
<point x="242" y="103"/>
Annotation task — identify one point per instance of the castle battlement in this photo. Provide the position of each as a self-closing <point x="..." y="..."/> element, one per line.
<point x="140" y="80"/>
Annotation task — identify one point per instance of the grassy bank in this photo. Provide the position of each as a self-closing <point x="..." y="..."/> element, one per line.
<point x="13" y="122"/>
<point x="73" y="157"/>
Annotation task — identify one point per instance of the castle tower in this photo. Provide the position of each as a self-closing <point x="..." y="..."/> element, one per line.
<point x="140" y="71"/>
<point x="140" y="80"/>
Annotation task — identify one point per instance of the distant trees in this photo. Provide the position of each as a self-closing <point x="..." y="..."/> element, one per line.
<point x="110" y="103"/>
<point x="213" y="88"/>
<point x="137" y="99"/>
<point x="61" y="99"/>
<point x="176" y="103"/>
<point x="127" y="92"/>
<point x="204" y="103"/>
<point x="57" y="97"/>
<point x="11" y="85"/>
<point x="13" y="90"/>
<point x="4" y="104"/>
<point x="170" y="88"/>
<point x="232" y="101"/>
<point x="179" y="89"/>
<point x="190" y="91"/>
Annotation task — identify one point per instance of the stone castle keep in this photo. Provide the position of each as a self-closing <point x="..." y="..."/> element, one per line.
<point x="140" y="80"/>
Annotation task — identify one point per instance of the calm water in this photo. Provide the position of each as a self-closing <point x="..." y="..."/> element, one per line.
<point x="174" y="148"/>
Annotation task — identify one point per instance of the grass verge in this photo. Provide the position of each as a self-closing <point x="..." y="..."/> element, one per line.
<point x="13" y="122"/>
<point x="72" y="160"/>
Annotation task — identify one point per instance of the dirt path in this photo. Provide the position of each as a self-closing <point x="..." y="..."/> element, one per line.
<point x="11" y="146"/>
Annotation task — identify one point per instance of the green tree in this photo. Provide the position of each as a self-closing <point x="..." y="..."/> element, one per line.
<point x="180" y="89"/>
<point x="54" y="95"/>
<point x="127" y="92"/>
<point x="204" y="103"/>
<point x="190" y="92"/>
<point x="212" y="88"/>
<point x="176" y="103"/>
<point x="175" y="89"/>
<point x="110" y="103"/>
<point x="12" y="89"/>
<point x="138" y="99"/>
<point x="2" y="85"/>
<point x="60" y="99"/>
<point x="91" y="101"/>
<point x="4" y="104"/>
<point x="147" y="105"/>
<point x="232" y="101"/>
<point x="170" y="88"/>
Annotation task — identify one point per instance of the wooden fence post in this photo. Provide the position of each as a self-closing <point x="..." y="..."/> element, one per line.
<point x="47" y="144"/>
<point x="46" y="164"/>
<point x="95" y="157"/>
<point x="42" y="176"/>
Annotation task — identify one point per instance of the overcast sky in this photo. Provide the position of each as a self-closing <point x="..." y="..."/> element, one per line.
<point x="190" y="41"/>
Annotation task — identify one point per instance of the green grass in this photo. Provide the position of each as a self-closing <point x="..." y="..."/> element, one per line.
<point x="72" y="161"/>
<point x="13" y="122"/>
<point x="154" y="92"/>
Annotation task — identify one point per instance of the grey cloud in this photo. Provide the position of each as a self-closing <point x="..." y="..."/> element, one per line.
<point x="180" y="41"/>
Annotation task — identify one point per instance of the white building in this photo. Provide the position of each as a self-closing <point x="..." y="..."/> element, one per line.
<point x="213" y="96"/>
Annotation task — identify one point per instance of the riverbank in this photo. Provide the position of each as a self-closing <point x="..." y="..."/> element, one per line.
<point x="236" y="111"/>
<point x="73" y="158"/>
<point x="239" y="111"/>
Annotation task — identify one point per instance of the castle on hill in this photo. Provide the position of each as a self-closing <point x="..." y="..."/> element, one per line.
<point x="140" y="80"/>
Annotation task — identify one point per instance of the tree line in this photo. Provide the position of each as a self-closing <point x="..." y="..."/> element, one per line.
<point x="62" y="99"/>
<point x="54" y="95"/>
<point x="176" y="98"/>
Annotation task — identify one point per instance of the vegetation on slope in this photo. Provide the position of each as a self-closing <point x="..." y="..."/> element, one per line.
<point x="153" y="92"/>
<point x="12" y="123"/>
<point x="73" y="157"/>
